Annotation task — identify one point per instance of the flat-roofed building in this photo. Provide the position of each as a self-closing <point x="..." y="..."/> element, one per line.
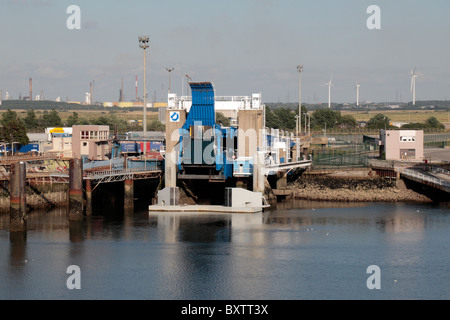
<point x="91" y="141"/>
<point x="401" y="144"/>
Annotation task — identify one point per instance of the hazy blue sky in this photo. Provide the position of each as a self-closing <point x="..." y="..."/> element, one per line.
<point x="242" y="46"/>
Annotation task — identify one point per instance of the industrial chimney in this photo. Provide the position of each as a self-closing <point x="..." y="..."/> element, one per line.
<point x="31" y="90"/>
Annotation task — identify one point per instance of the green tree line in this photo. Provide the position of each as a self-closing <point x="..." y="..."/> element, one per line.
<point x="14" y="129"/>
<point x="285" y="119"/>
<point x="53" y="119"/>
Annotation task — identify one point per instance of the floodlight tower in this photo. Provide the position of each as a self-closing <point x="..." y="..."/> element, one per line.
<point x="143" y="44"/>
<point x="299" y="69"/>
<point x="169" y="70"/>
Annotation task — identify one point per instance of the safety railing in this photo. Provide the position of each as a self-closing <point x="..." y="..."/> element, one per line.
<point x="425" y="177"/>
<point x="117" y="172"/>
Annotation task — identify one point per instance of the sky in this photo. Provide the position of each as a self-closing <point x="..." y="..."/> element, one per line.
<point x="241" y="46"/>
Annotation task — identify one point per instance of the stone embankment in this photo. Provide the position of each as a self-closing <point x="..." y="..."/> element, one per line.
<point x="352" y="187"/>
<point x="38" y="197"/>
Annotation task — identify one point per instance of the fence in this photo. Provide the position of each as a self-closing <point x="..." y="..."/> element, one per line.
<point x="436" y="140"/>
<point x="342" y="158"/>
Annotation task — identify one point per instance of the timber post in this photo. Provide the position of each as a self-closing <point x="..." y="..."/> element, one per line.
<point x="128" y="193"/>
<point x="75" y="189"/>
<point x="18" y="202"/>
<point x="88" y="197"/>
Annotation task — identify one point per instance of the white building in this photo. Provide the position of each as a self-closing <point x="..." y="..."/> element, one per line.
<point x="401" y="144"/>
<point x="227" y="105"/>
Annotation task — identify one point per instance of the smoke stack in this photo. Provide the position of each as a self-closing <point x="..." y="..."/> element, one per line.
<point x="121" y="91"/>
<point x="136" y="90"/>
<point x="90" y="93"/>
<point x="31" y="90"/>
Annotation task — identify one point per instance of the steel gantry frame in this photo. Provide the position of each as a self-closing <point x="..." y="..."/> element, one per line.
<point x="107" y="176"/>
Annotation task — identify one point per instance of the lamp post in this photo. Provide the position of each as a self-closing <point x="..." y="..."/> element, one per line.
<point x="309" y="124"/>
<point x="169" y="70"/>
<point x="305" y="123"/>
<point x="299" y="69"/>
<point x="143" y="44"/>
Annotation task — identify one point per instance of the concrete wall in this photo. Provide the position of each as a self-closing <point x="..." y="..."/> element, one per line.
<point x="172" y="146"/>
<point x="238" y="197"/>
<point x="250" y="132"/>
<point x="62" y="144"/>
<point x="172" y="132"/>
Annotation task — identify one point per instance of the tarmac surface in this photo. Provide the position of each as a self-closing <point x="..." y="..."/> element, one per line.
<point x="437" y="154"/>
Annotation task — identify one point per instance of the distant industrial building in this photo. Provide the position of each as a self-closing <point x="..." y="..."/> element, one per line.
<point x="133" y="104"/>
<point x="57" y="130"/>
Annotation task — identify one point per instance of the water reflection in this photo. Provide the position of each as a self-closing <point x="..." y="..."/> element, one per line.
<point x="212" y="227"/>
<point x="295" y="250"/>
<point x="17" y="248"/>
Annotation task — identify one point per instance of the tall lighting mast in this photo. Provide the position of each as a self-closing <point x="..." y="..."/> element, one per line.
<point x="299" y="69"/>
<point x="169" y="70"/>
<point x="143" y="44"/>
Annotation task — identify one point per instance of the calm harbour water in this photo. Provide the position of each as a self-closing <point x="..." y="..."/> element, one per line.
<point x="295" y="250"/>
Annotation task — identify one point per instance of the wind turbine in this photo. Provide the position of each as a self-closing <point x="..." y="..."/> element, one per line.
<point x="329" y="84"/>
<point x="357" y="93"/>
<point x="413" y="85"/>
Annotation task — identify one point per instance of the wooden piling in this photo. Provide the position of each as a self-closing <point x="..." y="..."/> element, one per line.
<point x="88" y="197"/>
<point x="128" y="193"/>
<point x="75" y="189"/>
<point x="18" y="202"/>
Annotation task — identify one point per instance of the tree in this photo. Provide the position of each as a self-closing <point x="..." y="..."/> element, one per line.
<point x="112" y="121"/>
<point x="31" y="121"/>
<point x="325" y="117"/>
<point x="348" y="121"/>
<point x="379" y="121"/>
<point x="156" y="125"/>
<point x="51" y="119"/>
<point x="9" y="115"/>
<point x="272" y="120"/>
<point x="13" y="129"/>
<point x="73" y="120"/>
<point x="286" y="118"/>
<point x="432" y="122"/>
<point x="302" y="118"/>
<point x="220" y="118"/>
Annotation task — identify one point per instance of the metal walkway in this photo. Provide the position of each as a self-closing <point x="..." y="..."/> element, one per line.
<point x="286" y="166"/>
<point x="122" y="175"/>
<point x="436" y="178"/>
<point x="103" y="176"/>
